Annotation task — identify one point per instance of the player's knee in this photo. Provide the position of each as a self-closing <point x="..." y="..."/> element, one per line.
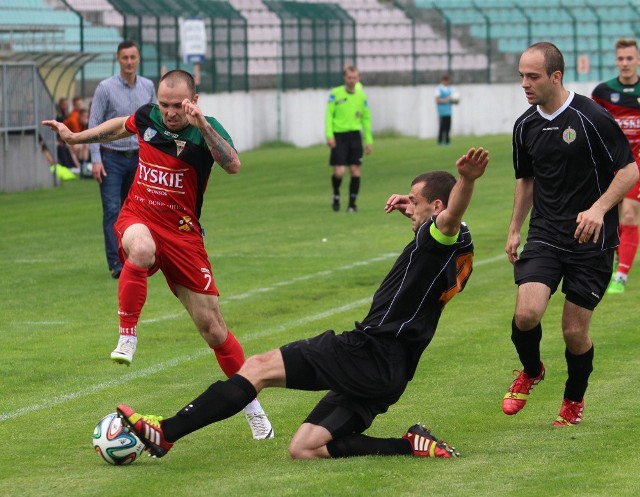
<point x="526" y="319"/>
<point x="295" y="451"/>
<point x="298" y="451"/>
<point x="253" y="362"/>
<point x="264" y="370"/>
<point x="629" y="218"/>
<point x="575" y="334"/>
<point x="259" y="363"/>
<point x="256" y="366"/>
<point x="142" y="253"/>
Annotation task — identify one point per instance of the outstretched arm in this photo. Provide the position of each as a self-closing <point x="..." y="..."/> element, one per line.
<point x="108" y="131"/>
<point x="470" y="167"/>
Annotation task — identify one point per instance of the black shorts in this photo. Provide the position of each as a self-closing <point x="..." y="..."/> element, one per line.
<point x="365" y="375"/>
<point x="584" y="275"/>
<point x="348" y="150"/>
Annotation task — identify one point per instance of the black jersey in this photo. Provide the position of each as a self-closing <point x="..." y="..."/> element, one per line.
<point x="408" y="304"/>
<point x="573" y="156"/>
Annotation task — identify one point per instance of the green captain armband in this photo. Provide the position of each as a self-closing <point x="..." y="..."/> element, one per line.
<point x="440" y="238"/>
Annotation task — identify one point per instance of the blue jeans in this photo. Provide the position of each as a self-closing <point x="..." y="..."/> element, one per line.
<point x="113" y="191"/>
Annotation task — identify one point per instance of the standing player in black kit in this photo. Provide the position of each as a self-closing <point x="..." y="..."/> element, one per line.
<point x="365" y="370"/>
<point x="573" y="165"/>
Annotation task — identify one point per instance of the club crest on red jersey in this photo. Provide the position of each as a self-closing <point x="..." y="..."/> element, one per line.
<point x="185" y="224"/>
<point x="149" y="133"/>
<point x="180" y="144"/>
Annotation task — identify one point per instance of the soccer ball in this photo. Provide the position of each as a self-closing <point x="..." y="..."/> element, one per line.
<point x="114" y="442"/>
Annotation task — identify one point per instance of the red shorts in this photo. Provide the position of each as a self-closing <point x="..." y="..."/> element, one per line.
<point x="180" y="255"/>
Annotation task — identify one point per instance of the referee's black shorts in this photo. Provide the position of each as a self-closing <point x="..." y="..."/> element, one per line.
<point x="585" y="275"/>
<point x="365" y="375"/>
<point x="348" y="150"/>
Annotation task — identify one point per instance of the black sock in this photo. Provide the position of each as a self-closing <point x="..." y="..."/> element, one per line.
<point x="354" y="189"/>
<point x="221" y="400"/>
<point x="528" y="347"/>
<point x="335" y="183"/>
<point x="363" y="445"/>
<point x="579" y="368"/>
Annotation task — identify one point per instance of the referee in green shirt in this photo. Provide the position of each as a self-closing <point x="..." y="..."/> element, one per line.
<point x="347" y="116"/>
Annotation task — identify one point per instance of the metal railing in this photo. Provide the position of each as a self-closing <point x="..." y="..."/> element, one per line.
<point x="24" y="103"/>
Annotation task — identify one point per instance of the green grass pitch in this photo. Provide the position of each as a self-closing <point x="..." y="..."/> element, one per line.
<point x="279" y="282"/>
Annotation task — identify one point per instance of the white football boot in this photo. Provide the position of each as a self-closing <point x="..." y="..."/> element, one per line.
<point x="123" y="353"/>
<point x="258" y="421"/>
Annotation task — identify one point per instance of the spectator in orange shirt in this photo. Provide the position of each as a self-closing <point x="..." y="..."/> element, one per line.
<point x="73" y="119"/>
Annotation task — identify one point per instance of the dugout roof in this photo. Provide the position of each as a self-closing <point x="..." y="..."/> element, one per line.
<point x="57" y="69"/>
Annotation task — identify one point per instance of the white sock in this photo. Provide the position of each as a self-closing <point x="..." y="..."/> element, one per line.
<point x="621" y="277"/>
<point x="253" y="407"/>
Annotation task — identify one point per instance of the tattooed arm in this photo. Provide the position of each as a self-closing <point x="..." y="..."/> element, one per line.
<point x="108" y="131"/>
<point x="223" y="153"/>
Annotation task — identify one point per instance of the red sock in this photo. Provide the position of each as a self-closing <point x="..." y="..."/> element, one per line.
<point x="628" y="247"/>
<point x="132" y="294"/>
<point x="230" y="355"/>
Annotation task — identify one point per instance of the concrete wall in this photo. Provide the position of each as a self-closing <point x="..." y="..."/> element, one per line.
<point x="297" y="117"/>
<point x="22" y="164"/>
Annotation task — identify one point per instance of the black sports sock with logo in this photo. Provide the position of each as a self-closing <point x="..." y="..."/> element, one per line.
<point x="221" y="400"/>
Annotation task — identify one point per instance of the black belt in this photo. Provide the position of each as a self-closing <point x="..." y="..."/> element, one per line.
<point x="126" y="153"/>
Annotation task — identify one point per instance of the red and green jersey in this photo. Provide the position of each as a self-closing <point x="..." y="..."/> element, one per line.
<point x="623" y="103"/>
<point x="173" y="170"/>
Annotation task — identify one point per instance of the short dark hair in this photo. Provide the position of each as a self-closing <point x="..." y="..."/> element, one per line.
<point x="176" y="75"/>
<point x="626" y="43"/>
<point x="553" y="59"/>
<point x="126" y="44"/>
<point x="438" y="185"/>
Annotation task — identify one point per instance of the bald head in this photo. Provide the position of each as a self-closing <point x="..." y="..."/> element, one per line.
<point x="175" y="78"/>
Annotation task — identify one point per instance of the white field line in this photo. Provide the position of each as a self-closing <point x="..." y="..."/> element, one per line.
<point x="298" y="279"/>
<point x="245" y="295"/>
<point x="61" y="399"/>
<point x="256" y="291"/>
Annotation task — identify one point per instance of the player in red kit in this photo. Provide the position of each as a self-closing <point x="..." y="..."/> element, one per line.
<point x="621" y="97"/>
<point x="158" y="226"/>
